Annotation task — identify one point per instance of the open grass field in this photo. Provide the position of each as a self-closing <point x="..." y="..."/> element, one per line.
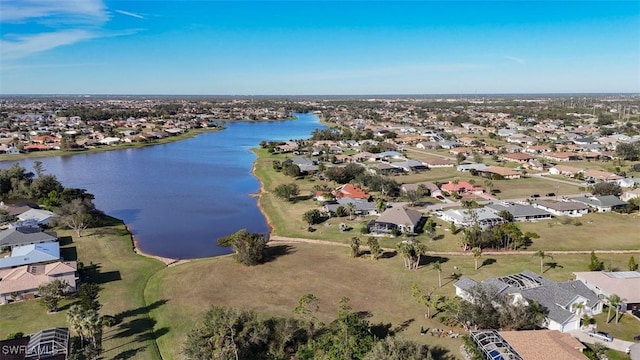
<point x="599" y="231"/>
<point x="381" y="288"/>
<point x="122" y="276"/>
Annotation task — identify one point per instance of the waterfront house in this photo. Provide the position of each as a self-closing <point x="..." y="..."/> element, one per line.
<point x="22" y="282"/>
<point x="558" y="297"/>
<point x="17" y="236"/>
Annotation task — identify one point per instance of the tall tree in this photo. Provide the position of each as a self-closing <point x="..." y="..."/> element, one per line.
<point x="438" y="267"/>
<point x="595" y="264"/>
<point x="633" y="265"/>
<point x="477" y="254"/>
<point x="355" y="247"/>
<point x="249" y="247"/>
<point x="392" y="348"/>
<point x="78" y="215"/>
<point x="52" y="293"/>
<point x="542" y="256"/>
<point x="351" y="209"/>
<point x="613" y="300"/>
<point x="307" y="309"/>
<point x="374" y="248"/>
<point x="88" y="294"/>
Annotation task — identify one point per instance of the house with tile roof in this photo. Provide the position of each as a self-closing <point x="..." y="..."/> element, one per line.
<point x="558" y="298"/>
<point x="461" y="187"/>
<point x="22" y="282"/>
<point x="625" y="284"/>
<point x="351" y="191"/>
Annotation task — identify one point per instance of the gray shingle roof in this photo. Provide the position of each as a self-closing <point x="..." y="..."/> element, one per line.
<point x="14" y="237"/>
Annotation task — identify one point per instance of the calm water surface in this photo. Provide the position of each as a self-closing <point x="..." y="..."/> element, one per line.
<point x="179" y="198"/>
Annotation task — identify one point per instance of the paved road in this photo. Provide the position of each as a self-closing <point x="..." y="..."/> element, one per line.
<point x="616" y="344"/>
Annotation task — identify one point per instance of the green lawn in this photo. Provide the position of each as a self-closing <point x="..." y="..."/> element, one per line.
<point x="381" y="287"/>
<point x="122" y="275"/>
<point x="599" y="231"/>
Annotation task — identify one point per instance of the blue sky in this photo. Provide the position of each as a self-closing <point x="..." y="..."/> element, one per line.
<point x="327" y="47"/>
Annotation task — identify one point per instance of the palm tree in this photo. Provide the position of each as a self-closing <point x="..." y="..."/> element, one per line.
<point x="351" y="209"/>
<point x="404" y="250"/>
<point x="612" y="300"/>
<point x="432" y="302"/>
<point x="579" y="308"/>
<point x="477" y="253"/>
<point x="355" y="246"/>
<point x="75" y="316"/>
<point x="438" y="267"/>
<point x="542" y="255"/>
<point x="419" y="249"/>
<point x="381" y="205"/>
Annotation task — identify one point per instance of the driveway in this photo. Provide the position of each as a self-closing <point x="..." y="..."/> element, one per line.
<point x="616" y="344"/>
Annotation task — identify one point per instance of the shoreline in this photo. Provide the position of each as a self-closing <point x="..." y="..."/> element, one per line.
<point x="259" y="195"/>
<point x="136" y="250"/>
<point x="105" y="148"/>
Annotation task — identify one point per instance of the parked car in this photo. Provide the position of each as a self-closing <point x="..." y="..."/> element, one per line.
<point x="637" y="337"/>
<point x="635" y="313"/>
<point x="601" y="335"/>
<point x="535" y="195"/>
<point x="551" y="194"/>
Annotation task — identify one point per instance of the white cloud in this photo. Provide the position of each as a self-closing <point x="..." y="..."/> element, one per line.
<point x="516" y="59"/>
<point x="129" y="14"/>
<point x="36" y="43"/>
<point x="69" y="11"/>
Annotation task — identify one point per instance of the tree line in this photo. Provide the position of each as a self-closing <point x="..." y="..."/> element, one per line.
<point x="226" y="333"/>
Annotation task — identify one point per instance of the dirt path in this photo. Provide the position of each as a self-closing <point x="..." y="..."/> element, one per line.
<point x="283" y="239"/>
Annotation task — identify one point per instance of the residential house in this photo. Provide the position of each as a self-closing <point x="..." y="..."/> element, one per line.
<point x="461" y="150"/>
<point x="22" y="282"/>
<point x="410" y="165"/>
<point x="544" y="345"/>
<point x="564" y="170"/>
<point x="521" y="212"/>
<point x="349" y="190"/>
<point x="597" y="175"/>
<point x="361" y="206"/>
<point x="427" y="145"/>
<point x="518" y="157"/>
<point x="448" y="144"/>
<point x="562" y="156"/>
<point x="559" y="298"/>
<point x="365" y="156"/>
<point x="625" y="284"/>
<point x="629" y="182"/>
<point x="467" y="217"/>
<point x="41" y="217"/>
<point x="388" y="155"/>
<point x="414" y="187"/>
<point x="629" y="195"/>
<point x="602" y="203"/>
<point x="437" y="162"/>
<point x="385" y="168"/>
<point x="470" y="167"/>
<point x="511" y="148"/>
<point x="500" y="172"/>
<point x="305" y="164"/>
<point x="461" y="187"/>
<point x="25" y="236"/>
<point x="398" y="218"/>
<point x="562" y="207"/>
<point x="31" y="254"/>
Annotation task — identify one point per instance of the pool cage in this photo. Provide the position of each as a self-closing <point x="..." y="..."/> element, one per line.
<point x="493" y="346"/>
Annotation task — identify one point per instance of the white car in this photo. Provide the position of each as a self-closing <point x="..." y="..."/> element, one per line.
<point x="601" y="335"/>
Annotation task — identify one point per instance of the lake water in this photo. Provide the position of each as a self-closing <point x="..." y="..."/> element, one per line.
<point x="179" y="198"/>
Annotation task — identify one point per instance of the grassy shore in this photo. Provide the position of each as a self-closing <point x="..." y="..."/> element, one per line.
<point x="39" y="154"/>
<point x="598" y="231"/>
<point x="122" y="276"/>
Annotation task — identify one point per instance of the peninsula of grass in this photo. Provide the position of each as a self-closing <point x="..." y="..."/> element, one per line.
<point x="120" y="146"/>
<point x="381" y="288"/>
<point x="122" y="276"/>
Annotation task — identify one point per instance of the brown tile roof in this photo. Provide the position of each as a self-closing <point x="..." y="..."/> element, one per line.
<point x="544" y="345"/>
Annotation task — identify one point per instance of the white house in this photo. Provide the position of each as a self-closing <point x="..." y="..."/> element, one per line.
<point x="560" y="298"/>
